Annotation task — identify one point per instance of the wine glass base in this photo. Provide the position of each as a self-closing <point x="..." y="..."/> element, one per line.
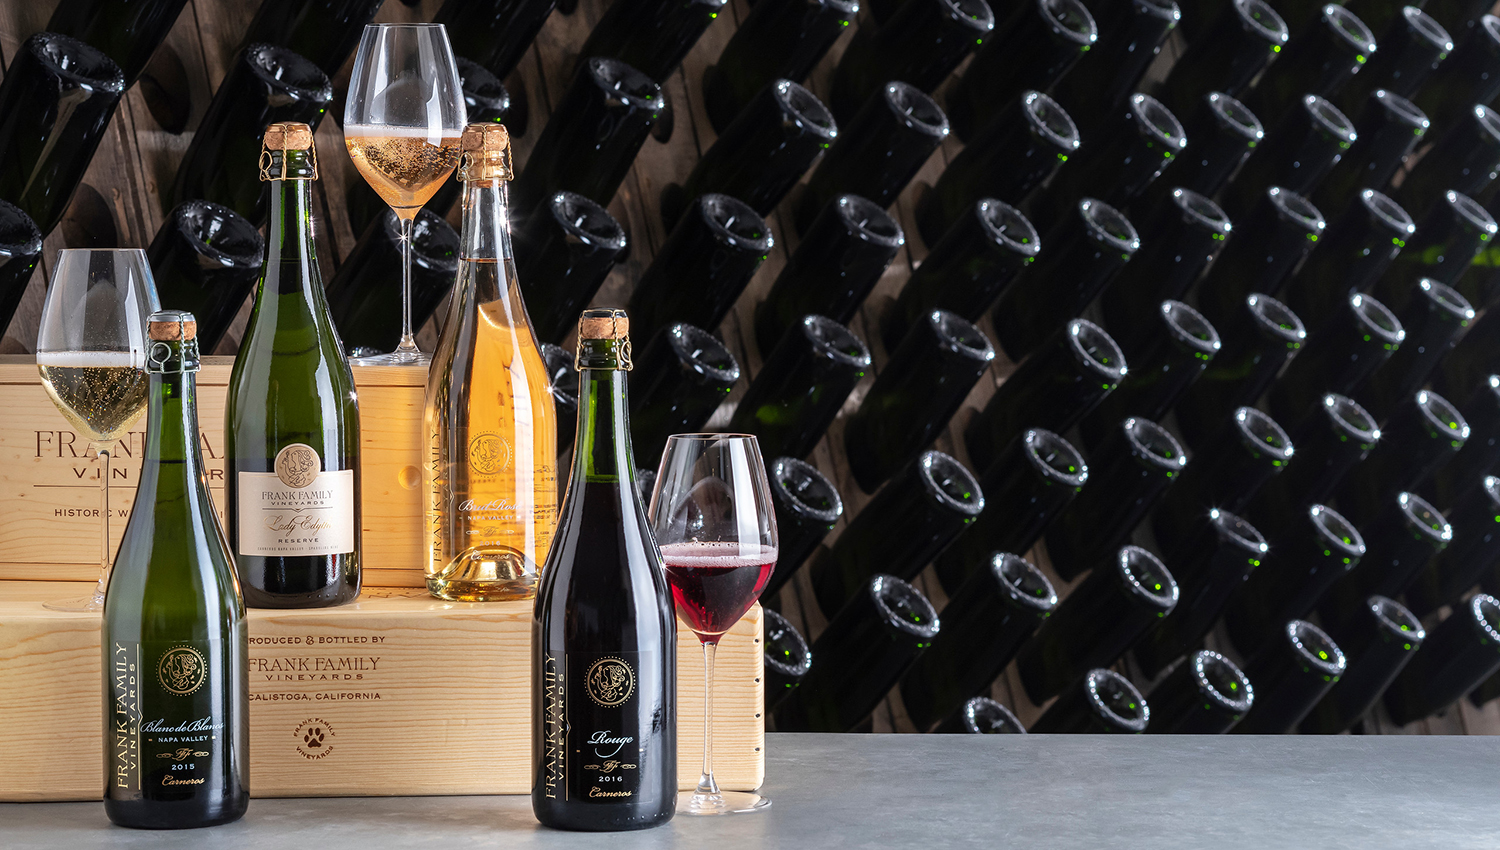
<point x="77" y="605"/>
<point x="395" y="358"/>
<point x="723" y="803"/>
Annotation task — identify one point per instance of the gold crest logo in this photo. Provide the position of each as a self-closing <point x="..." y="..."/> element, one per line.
<point x="488" y="453"/>
<point x="610" y="682"/>
<point x="298" y="465"/>
<point x="181" y="670"/>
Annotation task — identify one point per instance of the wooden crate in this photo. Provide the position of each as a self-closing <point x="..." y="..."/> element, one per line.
<point x="416" y="695"/>
<point x="49" y="485"/>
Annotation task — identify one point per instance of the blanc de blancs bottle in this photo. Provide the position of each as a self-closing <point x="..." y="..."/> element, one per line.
<point x="604" y="635"/>
<point x="291" y="423"/>
<point x="176" y="704"/>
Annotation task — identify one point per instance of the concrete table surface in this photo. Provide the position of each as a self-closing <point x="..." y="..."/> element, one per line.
<point x="940" y="791"/>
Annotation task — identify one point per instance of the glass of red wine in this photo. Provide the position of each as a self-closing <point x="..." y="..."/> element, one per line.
<point x="712" y="515"/>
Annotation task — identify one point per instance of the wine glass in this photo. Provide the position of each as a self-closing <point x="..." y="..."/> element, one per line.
<point x="91" y="351"/>
<point x="712" y="515"/>
<point x="402" y="121"/>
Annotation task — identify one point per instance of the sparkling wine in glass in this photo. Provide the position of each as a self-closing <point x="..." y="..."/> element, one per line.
<point x="91" y="351"/>
<point x="402" y="121"/>
<point x="713" y="518"/>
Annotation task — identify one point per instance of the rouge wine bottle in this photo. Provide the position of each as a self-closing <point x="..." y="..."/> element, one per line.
<point x="787" y="658"/>
<point x="1337" y="357"/>
<point x="1206" y="695"/>
<point x="779" y="39"/>
<point x="1224" y="133"/>
<point x="807" y="506"/>
<point x="563" y="254"/>
<point x="1378" y="646"/>
<point x="981" y="716"/>
<point x="1475" y="518"/>
<point x="205" y="260"/>
<point x="1458" y="655"/>
<point x="922" y="42"/>
<point x="1358" y="248"/>
<point x="1102" y="702"/>
<point x="364" y="295"/>
<point x="1267" y="335"/>
<point x="1290" y="676"/>
<point x="683" y="375"/>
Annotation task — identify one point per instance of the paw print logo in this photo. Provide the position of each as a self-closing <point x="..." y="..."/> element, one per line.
<point x="313" y="737"/>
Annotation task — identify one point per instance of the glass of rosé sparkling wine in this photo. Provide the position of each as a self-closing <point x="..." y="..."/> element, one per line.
<point x="712" y="515"/>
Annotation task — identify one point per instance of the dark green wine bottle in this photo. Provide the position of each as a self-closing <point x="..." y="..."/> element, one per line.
<point x="981" y="716"/>
<point x="1481" y="452"/>
<point x="1457" y="656"/>
<point x="1247" y="450"/>
<point x="1423" y="434"/>
<point x="1413" y="45"/>
<point x="562" y="376"/>
<point x="1256" y="347"/>
<point x="1466" y="369"/>
<point x="1102" y="702"/>
<point x="364" y="296"/>
<point x="1456" y="231"/>
<point x="175" y="649"/>
<point x="1357" y="250"/>
<point x="1329" y="444"/>
<point x="1465" y="159"/>
<point x="1402" y="540"/>
<point x="324" y="31"/>
<point x="1435" y="317"/>
<point x="1290" y="678"/>
<point x="291" y="419"/>
<point x="1268" y="246"/>
<point x="787" y="658"/>
<point x="1470" y="75"/>
<point x="494" y="33"/>
<point x="1475" y="518"/>
<point x="20" y="250"/>
<point x="1389" y="127"/>
<point x="1338" y="356"/>
<point x="1298" y="152"/>
<point x="129" y="32"/>
<point x="205" y="259"/>
<point x="807" y="506"/>
<point x="1223" y="133"/>
<point x="683" y="375"/>
<point x="1206" y="695"/>
<point x="1378" y="646"/>
<point x="1321" y="60"/>
<point x="1228" y="56"/>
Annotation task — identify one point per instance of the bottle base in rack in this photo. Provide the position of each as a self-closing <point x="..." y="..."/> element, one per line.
<point x="722" y="803"/>
<point x="454" y="590"/>
<point x="395" y="358"/>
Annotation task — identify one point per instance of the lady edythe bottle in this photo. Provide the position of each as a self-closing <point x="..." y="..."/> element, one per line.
<point x="604" y="635"/>
<point x="176" y="686"/>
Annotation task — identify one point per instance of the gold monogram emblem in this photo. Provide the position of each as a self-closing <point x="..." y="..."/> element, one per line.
<point x="298" y="465"/>
<point x="488" y="453"/>
<point x="610" y="682"/>
<point x="181" y="670"/>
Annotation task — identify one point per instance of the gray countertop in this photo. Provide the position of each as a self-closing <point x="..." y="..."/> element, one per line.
<point x="937" y="791"/>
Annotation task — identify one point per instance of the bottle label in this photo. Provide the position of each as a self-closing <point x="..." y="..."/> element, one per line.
<point x="298" y="509"/>
<point x="169" y="722"/>
<point x="592" y="737"/>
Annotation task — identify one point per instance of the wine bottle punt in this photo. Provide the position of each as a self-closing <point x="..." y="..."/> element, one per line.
<point x="651" y="35"/>
<point x="1224" y="133"/>
<point x="490" y="481"/>
<point x="126" y="32"/>
<point x="1481" y="452"/>
<point x="1435" y="318"/>
<point x="908" y="524"/>
<point x="1466" y="159"/>
<point x="1025" y="490"/>
<point x="1248" y="449"/>
<point x="1098" y="621"/>
<point x="780" y="39"/>
<point x="1403" y="539"/>
<point x="265" y="85"/>
<point x="703" y="266"/>
<point x="57" y="100"/>
<point x="1389" y="129"/>
<point x="1378" y="646"/>
<point x="801" y="387"/>
<point x="562" y="379"/>
<point x="1456" y="231"/>
<point x="1053" y="388"/>
<point x="787" y="658"/>
<point x="1008" y="161"/>
<point x="1231" y="53"/>
<point x="205" y="259"/>
<point x="1337" y="357"/>
<point x="967" y="269"/>
<point x="1206" y="695"/>
<point x="604" y="636"/>
<point x="325" y="32"/>
<point x="1183" y="236"/>
<point x="762" y="154"/>
<point x="175" y="650"/>
<point x="1412" y="47"/>
<point x="1423" y="434"/>
<point x="925" y="382"/>
<point x="921" y="43"/>
<point x="1131" y="469"/>
<point x="859" y="657"/>
<point x="1267" y="335"/>
<point x="1471" y="556"/>
<point x="984" y="624"/>
<point x="494" y="33"/>
<point x="1085" y="252"/>
<point x="1330" y="442"/>
<point x="683" y="377"/>
<point x="1458" y="655"/>
<point x="840" y="259"/>
<point x="877" y="153"/>
<point x="1357" y="250"/>
<point x="1470" y="75"/>
<point x="1131" y="36"/>
<point x="288" y="462"/>
<point x="1214" y="558"/>
<point x="1269" y="245"/>
<point x="1102" y="701"/>
<point x="1290" y="677"/>
<point x="565" y="250"/>
<point x="365" y="293"/>
<point x="1297" y="154"/>
<point x="20" y="250"/>
<point x="1321" y="61"/>
<point x="807" y="505"/>
<point x="1043" y="42"/>
<point x="981" y="716"/>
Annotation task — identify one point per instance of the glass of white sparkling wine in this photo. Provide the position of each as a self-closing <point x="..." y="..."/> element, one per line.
<point x="91" y="351"/>
<point x="402" y="122"/>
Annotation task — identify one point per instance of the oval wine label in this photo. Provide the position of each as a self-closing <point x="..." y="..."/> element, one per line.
<point x="297" y="509"/>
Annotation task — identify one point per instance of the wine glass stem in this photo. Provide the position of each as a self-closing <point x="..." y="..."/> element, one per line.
<point x="408" y="336"/>
<point x="104" y="511"/>
<point x="706" y="783"/>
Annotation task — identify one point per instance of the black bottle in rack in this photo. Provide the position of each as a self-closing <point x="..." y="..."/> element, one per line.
<point x="840" y="259"/>
<point x="877" y="153"/>
<point x="680" y="378"/>
<point x="967" y="269"/>
<point x="910" y="522"/>
<point x="1206" y="695"/>
<point x="1435" y="317"/>
<point x="205" y="259"/>
<point x="651" y="36"/>
<point x="1448" y="239"/>
<point x="1470" y="75"/>
<point x="981" y="716"/>
<point x="984" y="623"/>
<point x="364" y="296"/>
<point x="563" y="253"/>
<point x="1131" y="36"/>
<point x="1412" y="47"/>
<point x="1465" y="159"/>
<point x="1025" y="490"/>
<point x="1336" y="358"/>
<point x="1256" y="347"/>
<point x="1297" y="154"/>
<point x="787" y="658"/>
<point x="801" y="386"/>
<point x="1097" y="622"/>
<point x="1268" y="246"/>
<point x="1401" y="541"/>
<point x="1472" y="554"/>
<point x="923" y="41"/>
<point x="324" y="31"/>
<point x="1457" y="656"/>
<point x="1246" y="450"/>
<point x="126" y="32"/>
<point x="494" y="33"/>
<point x="1044" y="40"/>
<point x="20" y="249"/>
<point x="1321" y="60"/>
<point x="1330" y="441"/>
<point x="1468" y="366"/>
<point x="1053" y="388"/>
<point x="914" y="396"/>
<point x="1228" y="56"/>
<point x="1129" y="471"/>
<point x="779" y="39"/>
<point x="1481" y="451"/>
<point x="1008" y="161"/>
<point x="1377" y="646"/>
<point x="1358" y="248"/>
<point x="562" y="376"/>
<point x="1423" y="433"/>
<point x="1390" y="127"/>
<point x="1290" y="676"/>
<point x="1084" y="253"/>
<point x="1101" y="702"/>
<point x="863" y="652"/>
<point x="807" y="506"/>
<point x="1223" y="133"/>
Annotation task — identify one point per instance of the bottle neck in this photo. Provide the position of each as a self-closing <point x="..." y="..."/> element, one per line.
<point x="172" y="424"/>
<point x="602" y="452"/>
<point x="486" y="225"/>
<point x="291" y="254"/>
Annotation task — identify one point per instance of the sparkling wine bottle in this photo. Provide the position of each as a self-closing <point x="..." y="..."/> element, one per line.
<point x="1475" y="518"/>
<point x="807" y="506"/>
<point x="1131" y="36"/>
<point x="1466" y="159"/>
<point x="922" y="42"/>
<point x="787" y="658"/>
<point x="1469" y="76"/>
<point x="1356" y="251"/>
<point x="1183" y="236"/>
<point x="1102" y="701"/>
<point x="1412" y="46"/>
<point x="1378" y="647"/>
<point x="127" y="32"/>
<point x="1229" y="55"/>
<point x="292" y="467"/>
<point x="175" y="650"/>
<point x="1459" y="654"/>
<point x="1321" y="60"/>
<point x="650" y="35"/>
<point x="1423" y="434"/>
<point x="981" y="716"/>
<point x="1245" y="451"/>
<point x="494" y="33"/>
<point x="365" y="293"/>
<point x="562" y="376"/>
<point x="1224" y="133"/>
<point x="1389" y="128"/>
<point x="325" y="32"/>
<point x="1481" y="451"/>
<point x="683" y="376"/>
<point x="1402" y="539"/>
<point x="1269" y="245"/>
<point x="20" y="249"/>
<point x="1466" y="369"/>
<point x="1297" y="154"/>
<point x="490" y="480"/>
<point x="1290" y="677"/>
<point x="604" y="636"/>
<point x="1435" y="317"/>
<point x="1206" y="695"/>
<point x="565" y="250"/>
<point x="1453" y="233"/>
<point x="1267" y="335"/>
<point x="1338" y="356"/>
<point x="205" y="260"/>
<point x="1329" y="443"/>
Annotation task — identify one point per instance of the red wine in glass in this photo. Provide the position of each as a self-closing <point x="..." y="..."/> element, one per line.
<point x="714" y="584"/>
